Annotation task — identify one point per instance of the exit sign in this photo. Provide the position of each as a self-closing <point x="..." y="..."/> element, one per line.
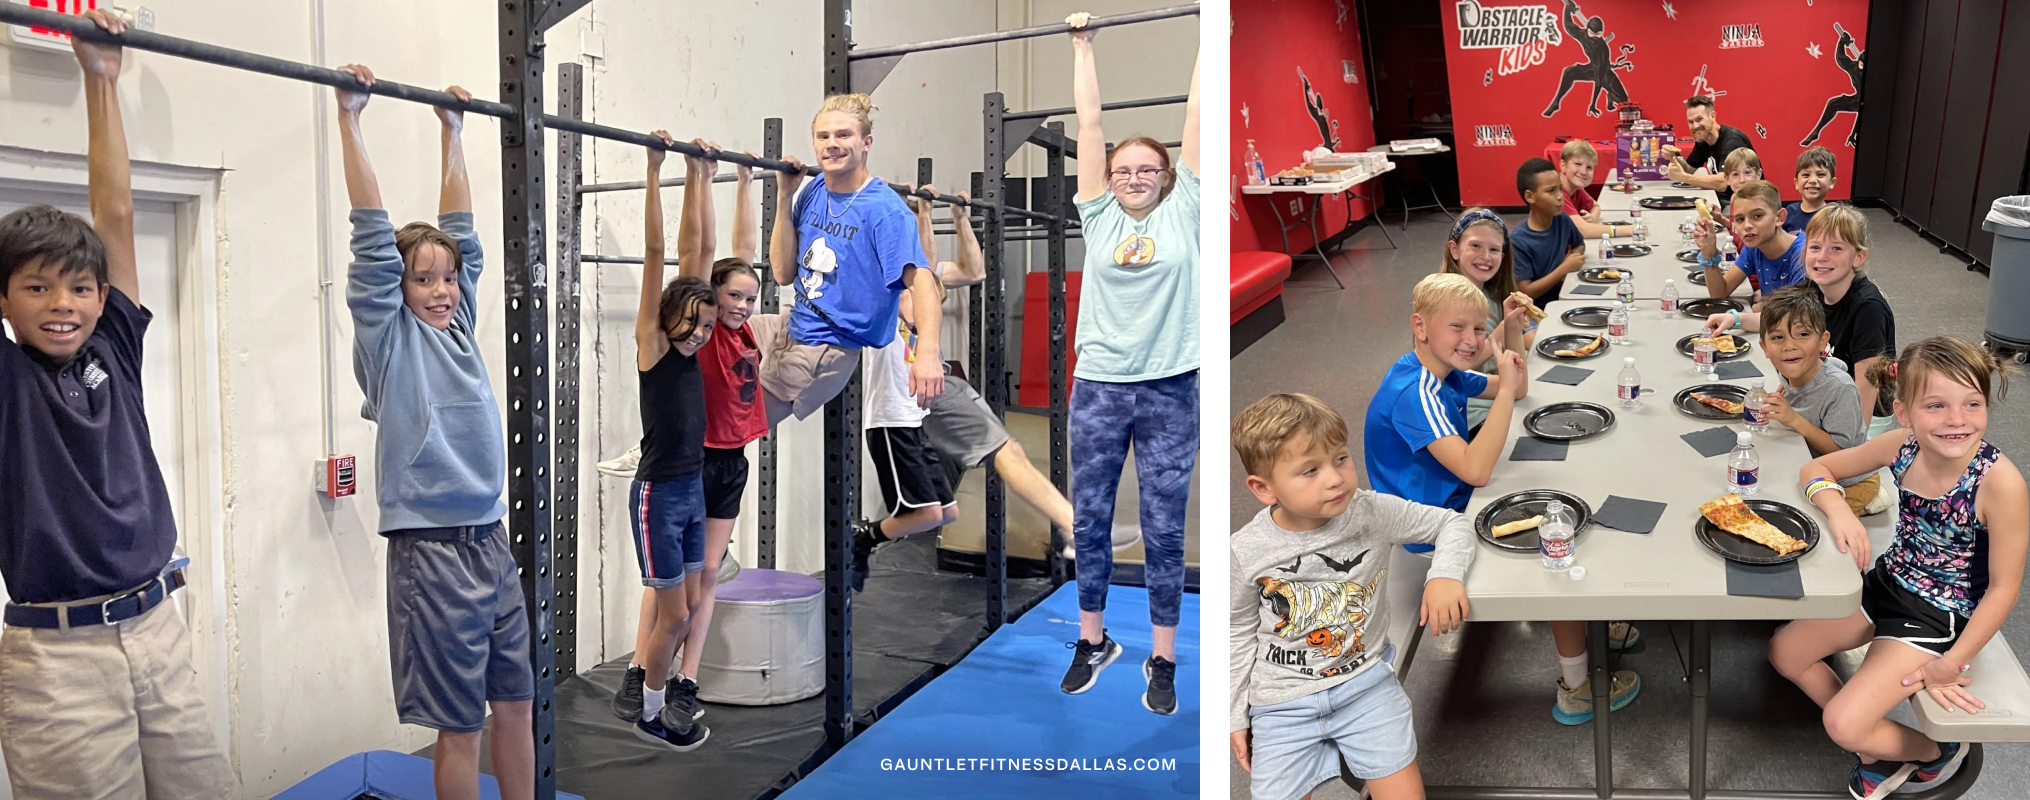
<point x="46" y="38"/>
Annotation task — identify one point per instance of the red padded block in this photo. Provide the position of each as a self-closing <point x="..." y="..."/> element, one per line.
<point x="1257" y="278"/>
<point x="1035" y="369"/>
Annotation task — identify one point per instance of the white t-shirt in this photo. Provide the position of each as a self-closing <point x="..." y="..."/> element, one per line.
<point x="889" y="404"/>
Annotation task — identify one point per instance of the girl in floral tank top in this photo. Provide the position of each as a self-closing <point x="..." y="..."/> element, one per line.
<point x="1945" y="584"/>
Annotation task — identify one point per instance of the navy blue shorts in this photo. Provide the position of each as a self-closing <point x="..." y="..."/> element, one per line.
<point x="669" y="529"/>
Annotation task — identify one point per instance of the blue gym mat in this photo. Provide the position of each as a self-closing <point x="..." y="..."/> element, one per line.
<point x="381" y="773"/>
<point x="1002" y="702"/>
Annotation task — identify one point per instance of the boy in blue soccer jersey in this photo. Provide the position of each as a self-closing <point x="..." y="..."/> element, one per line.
<point x="1417" y="448"/>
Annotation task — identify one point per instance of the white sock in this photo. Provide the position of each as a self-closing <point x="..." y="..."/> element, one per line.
<point x="651" y="703"/>
<point x="1574" y="670"/>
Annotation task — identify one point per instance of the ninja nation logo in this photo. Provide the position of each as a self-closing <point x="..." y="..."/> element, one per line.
<point x="1493" y="136"/>
<point x="1733" y="36"/>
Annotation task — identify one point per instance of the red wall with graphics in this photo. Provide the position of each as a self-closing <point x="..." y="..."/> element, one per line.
<point x="1780" y="85"/>
<point x="1272" y="42"/>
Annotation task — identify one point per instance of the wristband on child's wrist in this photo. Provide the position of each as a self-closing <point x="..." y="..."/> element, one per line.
<point x="1817" y="485"/>
<point x="1737" y="317"/>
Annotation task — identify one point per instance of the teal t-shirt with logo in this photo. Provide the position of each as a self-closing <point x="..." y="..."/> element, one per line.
<point x="1138" y="306"/>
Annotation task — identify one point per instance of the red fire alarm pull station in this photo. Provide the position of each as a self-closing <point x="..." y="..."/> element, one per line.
<point x="341" y="479"/>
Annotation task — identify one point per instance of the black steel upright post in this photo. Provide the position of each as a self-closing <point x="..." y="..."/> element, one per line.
<point x="771" y="302"/>
<point x="1060" y="389"/>
<point x="842" y="462"/>
<point x="525" y="283"/>
<point x="995" y="382"/>
<point x="565" y="293"/>
<point x="976" y="308"/>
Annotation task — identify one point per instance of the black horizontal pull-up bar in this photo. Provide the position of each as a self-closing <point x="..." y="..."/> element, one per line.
<point x="134" y="39"/>
<point x="610" y="133"/>
<point x="1023" y="33"/>
<point x="629" y="186"/>
<point x="1045" y="113"/>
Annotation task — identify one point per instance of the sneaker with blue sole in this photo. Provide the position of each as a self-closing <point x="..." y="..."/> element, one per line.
<point x="657" y="730"/>
<point x="1875" y="781"/>
<point x="1622" y="636"/>
<point x="1575" y="704"/>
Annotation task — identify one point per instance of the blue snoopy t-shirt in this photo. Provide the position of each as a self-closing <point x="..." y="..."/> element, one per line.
<point x="852" y="248"/>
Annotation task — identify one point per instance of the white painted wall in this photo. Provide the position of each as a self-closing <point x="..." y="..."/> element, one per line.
<point x="303" y="643"/>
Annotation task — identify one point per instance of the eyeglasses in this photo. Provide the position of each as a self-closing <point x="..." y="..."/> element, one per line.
<point x="1144" y="172"/>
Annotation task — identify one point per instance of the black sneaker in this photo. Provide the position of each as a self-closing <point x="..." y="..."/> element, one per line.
<point x="683" y="696"/>
<point x="1086" y="662"/>
<point x="866" y="537"/>
<point x="656" y="729"/>
<point x="1162" y="677"/>
<point x="627" y="702"/>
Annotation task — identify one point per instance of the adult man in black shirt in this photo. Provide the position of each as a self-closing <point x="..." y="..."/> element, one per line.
<point x="1712" y="142"/>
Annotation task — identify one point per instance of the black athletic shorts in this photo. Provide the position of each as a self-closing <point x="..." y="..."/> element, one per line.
<point x="1900" y="614"/>
<point x="907" y="469"/>
<point x="725" y="481"/>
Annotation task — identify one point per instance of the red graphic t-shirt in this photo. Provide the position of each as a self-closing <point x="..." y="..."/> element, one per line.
<point x="734" y="414"/>
<point x="1579" y="202"/>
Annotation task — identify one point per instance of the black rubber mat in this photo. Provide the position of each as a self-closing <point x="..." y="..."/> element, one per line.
<point x="909" y="625"/>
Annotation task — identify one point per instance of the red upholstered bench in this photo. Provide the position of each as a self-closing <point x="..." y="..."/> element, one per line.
<point x="1256" y="304"/>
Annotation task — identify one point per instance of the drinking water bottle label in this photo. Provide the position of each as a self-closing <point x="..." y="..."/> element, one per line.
<point x="1629" y="392"/>
<point x="1617" y="331"/>
<point x="1742" y="477"/>
<point x="1703" y="355"/>
<point x="1555" y="548"/>
<point x="1753" y="415"/>
<point x="1626" y="297"/>
<point x="1669" y="304"/>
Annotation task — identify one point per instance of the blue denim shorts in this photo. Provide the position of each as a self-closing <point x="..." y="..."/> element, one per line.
<point x="1298" y="743"/>
<point x="669" y="529"/>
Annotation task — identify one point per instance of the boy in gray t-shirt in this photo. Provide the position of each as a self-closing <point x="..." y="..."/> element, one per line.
<point x="1818" y="399"/>
<point x="1308" y="620"/>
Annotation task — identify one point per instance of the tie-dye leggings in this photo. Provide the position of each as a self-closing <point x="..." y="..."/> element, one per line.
<point x="1159" y="418"/>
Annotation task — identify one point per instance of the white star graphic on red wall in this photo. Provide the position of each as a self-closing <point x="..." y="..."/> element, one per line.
<point x="1668" y="11"/>
<point x="1813" y="49"/>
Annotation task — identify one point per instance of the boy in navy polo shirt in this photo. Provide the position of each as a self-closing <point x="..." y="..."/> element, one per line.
<point x="1417" y="449"/>
<point x="1816" y="170"/>
<point x="847" y="246"/>
<point x="1547" y="245"/>
<point x="98" y="697"/>
<point x="1774" y="255"/>
<point x="458" y="632"/>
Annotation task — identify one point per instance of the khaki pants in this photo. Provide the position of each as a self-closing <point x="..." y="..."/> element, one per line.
<point x="798" y="379"/>
<point x="1861" y="494"/>
<point x="107" y="712"/>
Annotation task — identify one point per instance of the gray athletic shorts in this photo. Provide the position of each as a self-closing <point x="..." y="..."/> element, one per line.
<point x="458" y="632"/>
<point x="962" y="429"/>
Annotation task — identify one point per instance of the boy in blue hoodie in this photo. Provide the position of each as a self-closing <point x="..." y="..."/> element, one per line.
<point x="458" y="634"/>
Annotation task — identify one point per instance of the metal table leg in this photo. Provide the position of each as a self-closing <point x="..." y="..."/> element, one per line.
<point x="1701" y="678"/>
<point x="1309" y="220"/>
<point x="1350" y="197"/>
<point x="1318" y="243"/>
<point x="1603" y="736"/>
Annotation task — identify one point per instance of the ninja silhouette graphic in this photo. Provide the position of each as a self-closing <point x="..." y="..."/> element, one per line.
<point x="1328" y="136"/>
<point x="1848" y="103"/>
<point x="1599" y="66"/>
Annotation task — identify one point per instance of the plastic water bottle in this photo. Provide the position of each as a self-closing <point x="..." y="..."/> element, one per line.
<point x="1257" y="174"/>
<point x="1617" y="324"/>
<point x="1629" y="385"/>
<point x="1625" y="291"/>
<point x="1703" y="356"/>
<point x="1752" y="411"/>
<point x="1744" y="467"/>
<point x="1554" y="538"/>
<point x="1606" y="248"/>
<point x="1641" y="228"/>
<point x="1670" y="296"/>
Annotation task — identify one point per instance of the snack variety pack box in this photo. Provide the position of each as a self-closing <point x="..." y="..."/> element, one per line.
<point x="1640" y="153"/>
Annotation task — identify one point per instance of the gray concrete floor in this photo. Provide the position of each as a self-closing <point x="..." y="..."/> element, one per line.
<point x="1483" y="696"/>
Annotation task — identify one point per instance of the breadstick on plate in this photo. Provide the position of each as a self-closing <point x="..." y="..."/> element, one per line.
<point x="1518" y="526"/>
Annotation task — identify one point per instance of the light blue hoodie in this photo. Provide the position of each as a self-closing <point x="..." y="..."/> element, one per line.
<point x="441" y="457"/>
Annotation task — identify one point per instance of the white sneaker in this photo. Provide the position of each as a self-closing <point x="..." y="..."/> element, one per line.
<point x="624" y="466"/>
<point x="1885" y="498"/>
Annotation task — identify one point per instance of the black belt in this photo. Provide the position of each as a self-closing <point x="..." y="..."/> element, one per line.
<point x="109" y="610"/>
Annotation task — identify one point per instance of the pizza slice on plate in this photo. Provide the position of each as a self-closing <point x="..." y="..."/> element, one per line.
<point x="1587" y="349"/>
<point x="1734" y="516"/>
<point x="1723" y="404"/>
